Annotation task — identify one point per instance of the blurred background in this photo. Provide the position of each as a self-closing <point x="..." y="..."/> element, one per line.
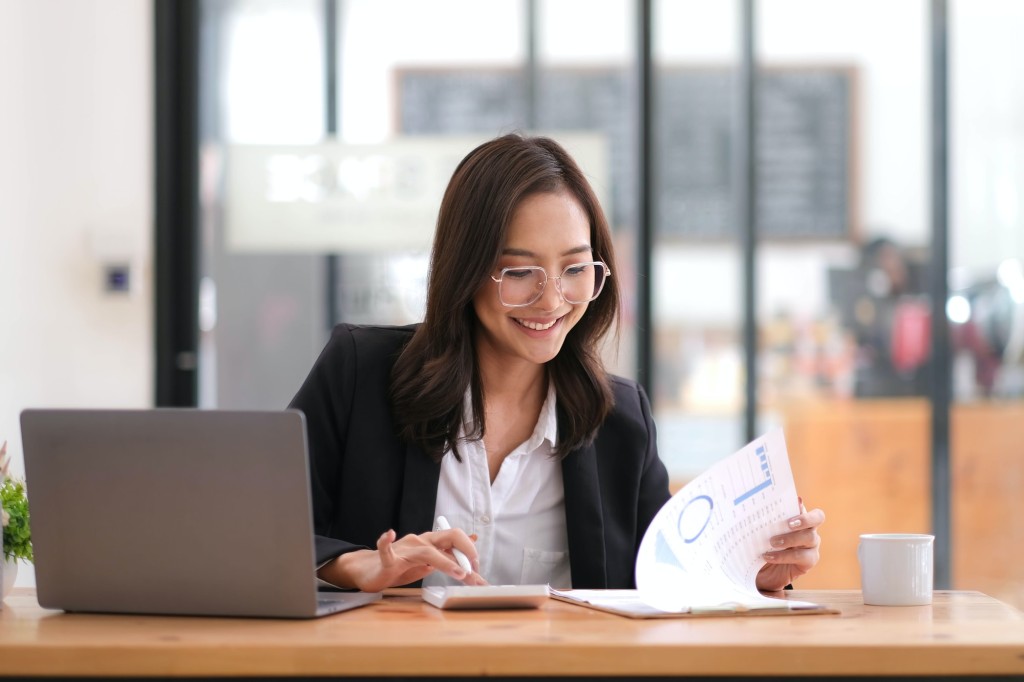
<point x="192" y="193"/>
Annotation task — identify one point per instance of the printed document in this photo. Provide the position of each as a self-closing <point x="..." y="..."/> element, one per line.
<point x="702" y="551"/>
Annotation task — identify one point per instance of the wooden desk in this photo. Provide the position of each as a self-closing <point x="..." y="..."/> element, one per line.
<point x="962" y="633"/>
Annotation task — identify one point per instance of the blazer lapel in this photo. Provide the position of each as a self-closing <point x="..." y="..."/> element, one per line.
<point x="419" y="492"/>
<point x="583" y="519"/>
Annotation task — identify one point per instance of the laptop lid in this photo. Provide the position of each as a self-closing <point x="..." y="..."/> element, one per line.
<point x="173" y="511"/>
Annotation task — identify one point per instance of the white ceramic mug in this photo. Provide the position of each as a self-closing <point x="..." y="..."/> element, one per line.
<point x="896" y="569"/>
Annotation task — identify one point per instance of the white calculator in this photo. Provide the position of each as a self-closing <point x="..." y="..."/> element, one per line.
<point x="486" y="596"/>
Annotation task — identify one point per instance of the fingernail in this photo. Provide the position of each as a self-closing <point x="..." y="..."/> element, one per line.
<point x="768" y="556"/>
<point x="778" y="542"/>
<point x="459" y="573"/>
<point x="795" y="523"/>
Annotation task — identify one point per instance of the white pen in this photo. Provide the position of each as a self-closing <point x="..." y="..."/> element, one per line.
<point x="442" y="524"/>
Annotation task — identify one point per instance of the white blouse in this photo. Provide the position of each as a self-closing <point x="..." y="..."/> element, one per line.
<point x="520" y="518"/>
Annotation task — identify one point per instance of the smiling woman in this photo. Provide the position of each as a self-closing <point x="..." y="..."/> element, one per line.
<point x="523" y="322"/>
<point x="511" y="202"/>
<point x="496" y="412"/>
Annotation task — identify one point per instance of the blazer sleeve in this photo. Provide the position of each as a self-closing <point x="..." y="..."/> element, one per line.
<point x="654" y="480"/>
<point x="631" y="488"/>
<point x="326" y="400"/>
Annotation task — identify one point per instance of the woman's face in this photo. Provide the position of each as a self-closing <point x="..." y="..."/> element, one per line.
<point x="551" y="230"/>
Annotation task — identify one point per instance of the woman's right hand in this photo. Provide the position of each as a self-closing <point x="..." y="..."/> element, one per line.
<point x="398" y="562"/>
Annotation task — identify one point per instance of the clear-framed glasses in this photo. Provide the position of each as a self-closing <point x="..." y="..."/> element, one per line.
<point x="521" y="286"/>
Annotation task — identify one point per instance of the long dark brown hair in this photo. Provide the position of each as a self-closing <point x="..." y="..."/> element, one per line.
<point x="429" y="380"/>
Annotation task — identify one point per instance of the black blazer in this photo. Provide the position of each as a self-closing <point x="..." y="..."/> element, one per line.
<point x="366" y="480"/>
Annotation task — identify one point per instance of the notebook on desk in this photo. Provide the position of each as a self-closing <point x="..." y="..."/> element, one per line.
<point x="628" y="603"/>
<point x="174" y="512"/>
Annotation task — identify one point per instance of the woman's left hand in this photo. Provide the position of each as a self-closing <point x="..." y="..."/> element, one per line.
<point x="793" y="553"/>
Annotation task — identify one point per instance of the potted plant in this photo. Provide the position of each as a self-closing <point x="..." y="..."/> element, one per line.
<point x="17" y="539"/>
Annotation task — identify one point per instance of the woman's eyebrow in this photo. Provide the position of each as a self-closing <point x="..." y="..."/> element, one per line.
<point x="582" y="248"/>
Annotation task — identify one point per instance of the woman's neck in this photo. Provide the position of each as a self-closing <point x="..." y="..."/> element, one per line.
<point x="513" y="395"/>
<point x="520" y="382"/>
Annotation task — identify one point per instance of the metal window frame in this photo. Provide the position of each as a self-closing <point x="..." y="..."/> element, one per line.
<point x="176" y="200"/>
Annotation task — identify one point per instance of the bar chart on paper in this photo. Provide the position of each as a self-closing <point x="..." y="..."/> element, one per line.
<point x="709" y="538"/>
<point x="765" y="470"/>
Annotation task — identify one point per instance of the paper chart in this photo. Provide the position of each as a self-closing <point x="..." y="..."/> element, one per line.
<point x="705" y="546"/>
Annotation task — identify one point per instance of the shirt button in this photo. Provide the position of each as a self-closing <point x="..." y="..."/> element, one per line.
<point x="485" y="519"/>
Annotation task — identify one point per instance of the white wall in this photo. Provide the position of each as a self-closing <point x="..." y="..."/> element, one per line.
<point x="75" y="187"/>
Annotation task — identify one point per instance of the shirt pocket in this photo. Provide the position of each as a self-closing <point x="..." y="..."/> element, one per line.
<point x="543" y="567"/>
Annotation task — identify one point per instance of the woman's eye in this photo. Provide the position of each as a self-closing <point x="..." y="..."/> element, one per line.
<point x="518" y="274"/>
<point x="576" y="270"/>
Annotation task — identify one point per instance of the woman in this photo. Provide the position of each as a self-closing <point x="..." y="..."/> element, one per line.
<point x="496" y="411"/>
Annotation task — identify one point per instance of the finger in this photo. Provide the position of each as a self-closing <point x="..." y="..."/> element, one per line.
<point x="451" y="567"/>
<point x="801" y="560"/>
<point x="468" y="551"/>
<point x="474" y="559"/>
<point x="456" y="538"/>
<point x="815" y="518"/>
<point x="811" y="519"/>
<point x="419" y="551"/>
<point x="474" y="578"/>
<point x="800" y="538"/>
<point x="386" y="549"/>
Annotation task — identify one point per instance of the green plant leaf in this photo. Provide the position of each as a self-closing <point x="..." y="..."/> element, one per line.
<point x="17" y="536"/>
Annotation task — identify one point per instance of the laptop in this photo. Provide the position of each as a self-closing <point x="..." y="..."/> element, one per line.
<point x="174" y="512"/>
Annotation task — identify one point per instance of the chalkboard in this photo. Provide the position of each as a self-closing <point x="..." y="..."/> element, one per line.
<point x="804" y="129"/>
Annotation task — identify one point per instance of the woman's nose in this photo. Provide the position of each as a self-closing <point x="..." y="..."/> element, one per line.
<point x="551" y="298"/>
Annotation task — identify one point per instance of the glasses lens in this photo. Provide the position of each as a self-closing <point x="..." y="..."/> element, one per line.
<point x="582" y="282"/>
<point x="521" y="286"/>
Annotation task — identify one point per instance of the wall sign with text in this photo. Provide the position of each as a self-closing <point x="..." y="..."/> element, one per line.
<point x="333" y="197"/>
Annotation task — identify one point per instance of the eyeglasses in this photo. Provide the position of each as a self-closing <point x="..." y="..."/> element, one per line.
<point x="521" y="286"/>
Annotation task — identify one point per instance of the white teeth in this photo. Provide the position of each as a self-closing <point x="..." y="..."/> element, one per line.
<point x="537" y="326"/>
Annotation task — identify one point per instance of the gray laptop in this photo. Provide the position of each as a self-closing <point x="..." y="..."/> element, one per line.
<point x="174" y="511"/>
